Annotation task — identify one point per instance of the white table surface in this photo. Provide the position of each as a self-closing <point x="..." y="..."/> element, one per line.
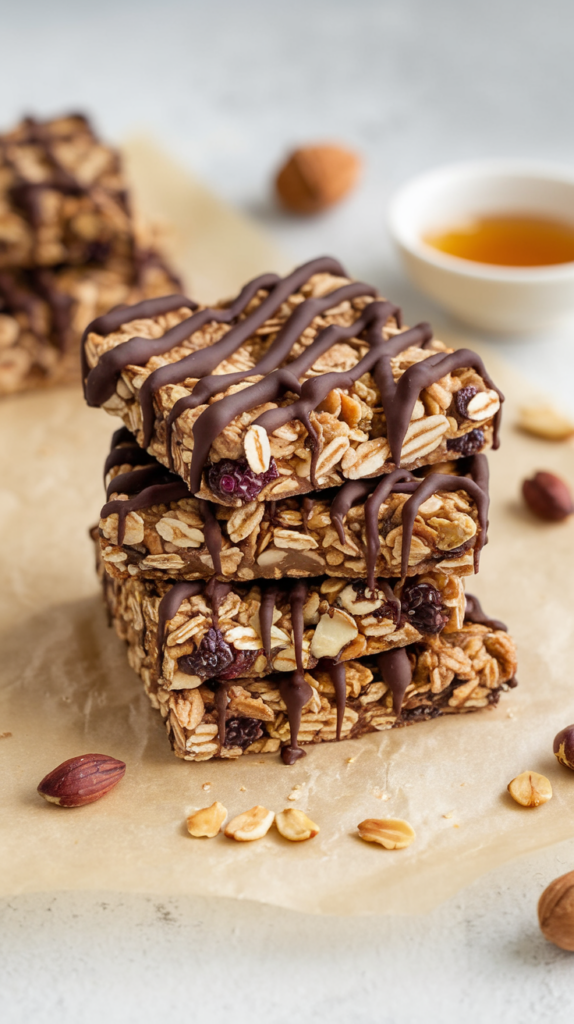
<point x="228" y="86"/>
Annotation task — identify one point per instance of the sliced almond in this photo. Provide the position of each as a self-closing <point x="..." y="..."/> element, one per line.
<point x="482" y="406"/>
<point x="544" y="421"/>
<point x="392" y="833"/>
<point x="252" y="824"/>
<point x="257" y="448"/>
<point x="529" y="789"/>
<point x="333" y="632"/>
<point x="206" y="823"/>
<point x="294" y="825"/>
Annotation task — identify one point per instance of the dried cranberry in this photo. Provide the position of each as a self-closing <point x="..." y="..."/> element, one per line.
<point x="233" y="478"/>
<point x="462" y="398"/>
<point x="211" y="659"/>
<point x="243" y="662"/>
<point x="422" y="606"/>
<point x="242" y="732"/>
<point x="468" y="444"/>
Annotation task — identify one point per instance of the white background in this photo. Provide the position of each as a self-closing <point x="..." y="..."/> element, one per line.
<point x="228" y="86"/>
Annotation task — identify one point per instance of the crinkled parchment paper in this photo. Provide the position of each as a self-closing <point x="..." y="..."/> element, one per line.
<point x="67" y="689"/>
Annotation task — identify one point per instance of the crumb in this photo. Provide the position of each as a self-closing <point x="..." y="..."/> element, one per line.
<point x="510" y="714"/>
<point x="243" y="789"/>
<point x="349" y="760"/>
<point x="456" y="826"/>
<point x="295" y="793"/>
<point x="449" y="814"/>
<point x="5" y="735"/>
<point x="206" y="786"/>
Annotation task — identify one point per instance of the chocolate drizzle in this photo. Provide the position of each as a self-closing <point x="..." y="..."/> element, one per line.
<point x="295" y="690"/>
<point x="398" y="398"/>
<point x="404" y="482"/>
<point x="474" y="613"/>
<point x="396" y="672"/>
<point x="337" y="674"/>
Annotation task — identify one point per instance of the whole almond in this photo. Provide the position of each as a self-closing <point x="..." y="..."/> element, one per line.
<point x="556" y="912"/>
<point x="545" y="421"/>
<point x="316" y="177"/>
<point x="81" y="780"/>
<point x="548" y="497"/>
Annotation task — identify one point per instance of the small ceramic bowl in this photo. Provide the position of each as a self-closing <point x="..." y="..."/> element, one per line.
<point x="495" y="298"/>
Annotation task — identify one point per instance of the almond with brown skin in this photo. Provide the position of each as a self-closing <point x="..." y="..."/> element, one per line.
<point x="81" y="780"/>
<point x="564" y="746"/>
<point x="548" y="497"/>
<point x="316" y="177"/>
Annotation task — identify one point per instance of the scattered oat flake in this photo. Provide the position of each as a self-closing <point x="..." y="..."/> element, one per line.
<point x="243" y="789"/>
<point x="206" y="785"/>
<point x="350" y="760"/>
<point x="449" y="814"/>
<point x="294" y="794"/>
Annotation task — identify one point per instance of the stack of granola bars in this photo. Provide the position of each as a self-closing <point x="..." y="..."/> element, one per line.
<point x="293" y="502"/>
<point x="69" y="249"/>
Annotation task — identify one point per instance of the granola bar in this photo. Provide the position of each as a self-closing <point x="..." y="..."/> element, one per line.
<point x="451" y="672"/>
<point x="43" y="312"/>
<point x="63" y="196"/>
<point x="299" y="384"/>
<point x="151" y="526"/>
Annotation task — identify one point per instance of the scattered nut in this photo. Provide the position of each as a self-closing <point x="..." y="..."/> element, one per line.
<point x="207" y="821"/>
<point x="556" y="912"/>
<point x="294" y="825"/>
<point x="530" y="789"/>
<point x="81" y="780"/>
<point x="252" y="824"/>
<point x="315" y="177"/>
<point x="564" y="746"/>
<point x="548" y="497"/>
<point x="544" y="421"/>
<point x="392" y="833"/>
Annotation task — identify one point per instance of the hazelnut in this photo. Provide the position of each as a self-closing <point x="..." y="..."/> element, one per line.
<point x="530" y="789"/>
<point x="316" y="177"/>
<point x="564" y="746"/>
<point x="556" y="912"/>
<point x="548" y="497"/>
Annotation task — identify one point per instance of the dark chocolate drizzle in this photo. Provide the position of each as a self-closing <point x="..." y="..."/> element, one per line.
<point x="337" y="674"/>
<point x="396" y="672"/>
<point x="295" y="690"/>
<point x="220" y="697"/>
<point x="474" y="613"/>
<point x="398" y="398"/>
<point x="168" y="609"/>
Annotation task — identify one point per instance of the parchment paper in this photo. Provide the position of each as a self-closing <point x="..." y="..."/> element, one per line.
<point x="67" y="689"/>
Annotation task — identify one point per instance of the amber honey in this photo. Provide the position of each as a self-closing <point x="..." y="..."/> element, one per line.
<point x="511" y="241"/>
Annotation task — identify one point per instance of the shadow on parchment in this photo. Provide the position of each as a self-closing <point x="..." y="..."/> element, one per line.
<point x="64" y="671"/>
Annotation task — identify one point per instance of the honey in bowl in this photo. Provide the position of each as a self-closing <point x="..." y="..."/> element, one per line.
<point x="515" y="240"/>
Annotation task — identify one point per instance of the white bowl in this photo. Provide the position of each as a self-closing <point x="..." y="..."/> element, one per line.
<point x="497" y="298"/>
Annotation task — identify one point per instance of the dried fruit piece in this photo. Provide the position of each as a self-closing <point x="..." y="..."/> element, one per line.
<point x="81" y="780"/>
<point x="462" y="398"/>
<point x="206" y="823"/>
<point x="234" y="478"/>
<point x="392" y="833"/>
<point x="530" y="789"/>
<point x="544" y="421"/>
<point x="564" y="746"/>
<point x="556" y="912"/>
<point x="422" y="605"/>
<point x="294" y="825"/>
<point x="211" y="659"/>
<point x="468" y="444"/>
<point x="252" y="824"/>
<point x="315" y="177"/>
<point x="548" y="497"/>
<point x="242" y="732"/>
